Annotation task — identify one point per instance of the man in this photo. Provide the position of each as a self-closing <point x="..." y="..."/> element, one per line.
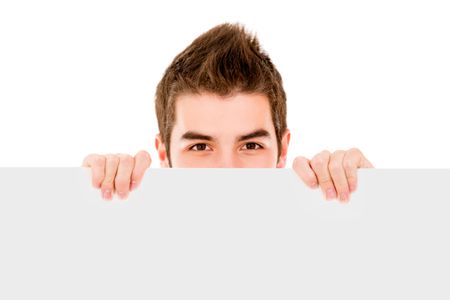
<point x="221" y="104"/>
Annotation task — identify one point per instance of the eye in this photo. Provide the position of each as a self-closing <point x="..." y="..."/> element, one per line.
<point x="198" y="147"/>
<point x="253" y="146"/>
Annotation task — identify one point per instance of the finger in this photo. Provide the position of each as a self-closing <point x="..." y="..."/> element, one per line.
<point x="87" y="160"/>
<point x="303" y="169"/>
<point x="365" y="163"/>
<point x="338" y="175"/>
<point x="319" y="164"/>
<point x="97" y="164"/>
<point x="362" y="161"/>
<point x="123" y="176"/>
<point x="142" y="162"/>
<point x="353" y="160"/>
<point x="112" y="162"/>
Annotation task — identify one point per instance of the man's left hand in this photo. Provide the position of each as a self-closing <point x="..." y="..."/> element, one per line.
<point x="334" y="172"/>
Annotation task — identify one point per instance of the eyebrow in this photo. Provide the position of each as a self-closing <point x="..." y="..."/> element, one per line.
<point x="193" y="135"/>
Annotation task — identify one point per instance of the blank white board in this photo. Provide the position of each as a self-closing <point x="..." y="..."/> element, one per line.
<point x="224" y="234"/>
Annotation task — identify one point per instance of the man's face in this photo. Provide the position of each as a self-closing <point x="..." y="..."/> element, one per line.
<point x="223" y="132"/>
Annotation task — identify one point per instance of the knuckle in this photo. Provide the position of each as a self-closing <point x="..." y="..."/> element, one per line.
<point x="108" y="182"/>
<point x="321" y="159"/>
<point x="98" y="160"/>
<point x="337" y="155"/>
<point x="341" y="189"/>
<point x="107" y="185"/>
<point x="335" y="167"/>
<point x="147" y="158"/>
<point x="126" y="159"/>
<point x="325" y="153"/>
<point x="121" y="181"/>
<point x="354" y="151"/>
<point x="143" y="153"/>
<point x="318" y="162"/>
<point x="348" y="166"/>
<point x="298" y="161"/>
<point x="109" y="179"/>
<point x="337" y="152"/>
<point x="121" y="186"/>
<point x="112" y="158"/>
<point x="325" y="181"/>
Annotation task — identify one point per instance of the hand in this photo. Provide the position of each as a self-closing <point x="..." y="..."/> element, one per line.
<point x="334" y="172"/>
<point x="117" y="172"/>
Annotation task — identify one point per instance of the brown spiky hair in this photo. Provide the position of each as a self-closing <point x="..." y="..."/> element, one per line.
<point x="224" y="60"/>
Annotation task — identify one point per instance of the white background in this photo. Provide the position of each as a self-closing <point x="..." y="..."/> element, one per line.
<point x="78" y="77"/>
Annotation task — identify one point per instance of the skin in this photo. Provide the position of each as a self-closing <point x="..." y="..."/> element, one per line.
<point x="227" y="132"/>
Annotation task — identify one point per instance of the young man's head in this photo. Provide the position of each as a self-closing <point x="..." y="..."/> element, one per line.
<point x="221" y="103"/>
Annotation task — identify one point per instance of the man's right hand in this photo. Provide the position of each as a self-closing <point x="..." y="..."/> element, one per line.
<point x="117" y="172"/>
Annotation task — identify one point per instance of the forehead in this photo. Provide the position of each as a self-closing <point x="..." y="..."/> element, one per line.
<point x="208" y="112"/>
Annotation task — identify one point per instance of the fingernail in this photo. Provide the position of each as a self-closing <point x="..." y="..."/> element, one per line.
<point x="122" y="195"/>
<point x="344" y="197"/>
<point x="331" y="194"/>
<point x="352" y="187"/>
<point x="314" y="184"/>
<point x="133" y="185"/>
<point x="107" y="194"/>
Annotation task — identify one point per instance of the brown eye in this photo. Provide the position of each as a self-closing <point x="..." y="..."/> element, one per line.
<point x="198" y="147"/>
<point x="252" y="146"/>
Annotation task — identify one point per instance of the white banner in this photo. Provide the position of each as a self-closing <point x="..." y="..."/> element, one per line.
<point x="224" y="234"/>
